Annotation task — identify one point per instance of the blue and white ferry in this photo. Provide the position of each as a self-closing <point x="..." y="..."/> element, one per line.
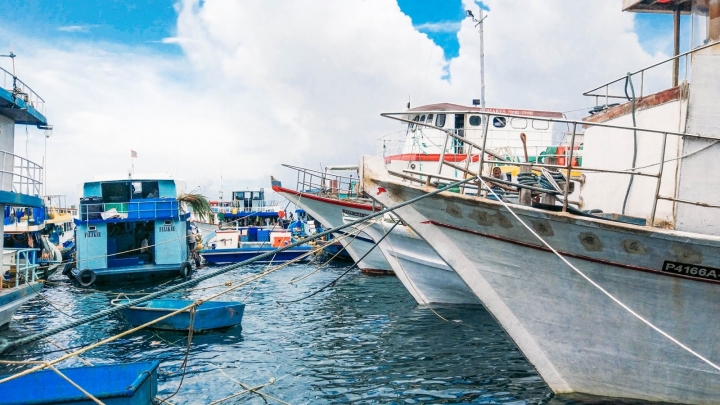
<point x="131" y="229"/>
<point x="20" y="186"/>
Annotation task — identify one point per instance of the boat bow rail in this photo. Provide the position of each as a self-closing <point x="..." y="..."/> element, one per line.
<point x="326" y="184"/>
<point x="487" y="159"/>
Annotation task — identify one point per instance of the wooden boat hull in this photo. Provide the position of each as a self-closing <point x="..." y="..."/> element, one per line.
<point x="210" y="315"/>
<point x="577" y="338"/>
<point x="113" y="384"/>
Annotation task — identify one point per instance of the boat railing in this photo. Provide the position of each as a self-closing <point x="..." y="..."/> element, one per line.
<point x="20" y="175"/>
<point x="487" y="158"/>
<point x="324" y="183"/>
<point x="131" y="210"/>
<point x="602" y="92"/>
<point x="257" y="206"/>
<point x="22" y="266"/>
<point x="22" y="91"/>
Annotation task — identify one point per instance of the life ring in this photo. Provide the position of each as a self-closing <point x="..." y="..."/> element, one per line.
<point x="67" y="269"/>
<point x="185" y="270"/>
<point x="86" y="277"/>
<point x="281" y="214"/>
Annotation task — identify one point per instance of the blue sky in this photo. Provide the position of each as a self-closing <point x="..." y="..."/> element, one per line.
<point x="146" y="22"/>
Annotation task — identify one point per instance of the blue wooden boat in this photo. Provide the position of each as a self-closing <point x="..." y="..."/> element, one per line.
<point x="236" y="245"/>
<point x="209" y="315"/>
<point x="117" y="384"/>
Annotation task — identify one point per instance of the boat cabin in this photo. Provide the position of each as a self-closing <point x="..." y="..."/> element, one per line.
<point x="248" y="207"/>
<point x="130" y="226"/>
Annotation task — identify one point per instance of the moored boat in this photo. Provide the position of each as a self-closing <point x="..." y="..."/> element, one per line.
<point x="226" y="246"/>
<point x="620" y="315"/>
<point x="127" y="383"/>
<point x="209" y="315"/>
<point x="131" y="229"/>
<point x="325" y="197"/>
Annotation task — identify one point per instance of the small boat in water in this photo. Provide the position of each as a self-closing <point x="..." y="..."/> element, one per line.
<point x="226" y="246"/>
<point x="209" y="315"/>
<point x="117" y="384"/>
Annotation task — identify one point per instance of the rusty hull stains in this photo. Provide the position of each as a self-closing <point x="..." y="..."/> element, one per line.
<point x="634" y="247"/>
<point x="542" y="227"/>
<point x="453" y="210"/>
<point x="484" y="219"/>
<point x="590" y="242"/>
<point x="686" y="254"/>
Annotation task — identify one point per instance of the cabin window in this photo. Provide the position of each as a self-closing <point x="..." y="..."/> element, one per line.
<point x="430" y="119"/>
<point x="118" y="191"/>
<point x="499" y="122"/>
<point x="541" y="125"/>
<point x="518" y="123"/>
<point x="168" y="222"/>
<point x="413" y="127"/>
<point x="440" y="120"/>
<point x="475" y="120"/>
<point x="422" y="118"/>
<point x="92" y="228"/>
<point x="258" y="195"/>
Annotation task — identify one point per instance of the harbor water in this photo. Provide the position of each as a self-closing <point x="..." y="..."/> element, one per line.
<point x="362" y="341"/>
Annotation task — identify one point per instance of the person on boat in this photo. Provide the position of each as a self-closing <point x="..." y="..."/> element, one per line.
<point x="145" y="247"/>
<point x="498" y="188"/>
<point x="191" y="239"/>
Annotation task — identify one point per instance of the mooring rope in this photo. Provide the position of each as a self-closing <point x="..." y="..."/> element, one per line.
<point x="332" y="283"/>
<point x="612" y="297"/>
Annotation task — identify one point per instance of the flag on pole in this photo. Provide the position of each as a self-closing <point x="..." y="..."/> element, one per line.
<point x="133" y="154"/>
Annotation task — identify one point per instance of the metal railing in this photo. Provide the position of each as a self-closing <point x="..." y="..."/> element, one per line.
<point x="567" y="168"/>
<point x="131" y="210"/>
<point x="606" y="87"/>
<point x="22" y="91"/>
<point x="227" y="207"/>
<point x="326" y="184"/>
<point x="20" y="175"/>
<point x="24" y="264"/>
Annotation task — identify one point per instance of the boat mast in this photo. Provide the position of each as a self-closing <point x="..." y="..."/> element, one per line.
<point x="479" y="24"/>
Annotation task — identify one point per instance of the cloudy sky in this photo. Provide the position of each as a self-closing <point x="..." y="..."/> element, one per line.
<point x="204" y="88"/>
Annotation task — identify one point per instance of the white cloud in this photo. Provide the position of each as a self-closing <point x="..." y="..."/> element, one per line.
<point x="442" y="26"/>
<point x="300" y="83"/>
<point x="74" y="28"/>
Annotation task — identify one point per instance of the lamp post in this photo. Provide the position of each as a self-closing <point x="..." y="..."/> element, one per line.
<point x="479" y="24"/>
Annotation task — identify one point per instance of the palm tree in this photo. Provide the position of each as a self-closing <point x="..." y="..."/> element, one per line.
<point x="198" y="203"/>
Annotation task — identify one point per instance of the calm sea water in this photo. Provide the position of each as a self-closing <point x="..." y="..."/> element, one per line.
<point x="364" y="341"/>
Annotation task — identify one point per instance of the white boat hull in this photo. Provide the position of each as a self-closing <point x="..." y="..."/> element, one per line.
<point x="423" y="273"/>
<point x="578" y="339"/>
<point x="13" y="298"/>
<point x="330" y="213"/>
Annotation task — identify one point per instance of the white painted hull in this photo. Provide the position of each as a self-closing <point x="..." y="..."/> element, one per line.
<point x="330" y="213"/>
<point x="577" y="338"/>
<point x="20" y="295"/>
<point x="423" y="273"/>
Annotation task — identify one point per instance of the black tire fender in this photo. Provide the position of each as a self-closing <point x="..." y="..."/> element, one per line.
<point x="185" y="270"/>
<point x="67" y="269"/>
<point x="86" y="277"/>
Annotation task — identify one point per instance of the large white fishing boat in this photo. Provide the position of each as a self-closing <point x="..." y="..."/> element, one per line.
<point x="619" y="301"/>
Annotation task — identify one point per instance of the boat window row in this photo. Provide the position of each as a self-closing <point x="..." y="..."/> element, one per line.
<point x="124" y="191"/>
<point x="476" y="121"/>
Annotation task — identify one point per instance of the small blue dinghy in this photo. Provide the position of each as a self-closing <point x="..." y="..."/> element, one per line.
<point x="117" y="384"/>
<point x="209" y="315"/>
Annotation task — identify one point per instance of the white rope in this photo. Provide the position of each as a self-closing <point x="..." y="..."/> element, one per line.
<point x="594" y="284"/>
